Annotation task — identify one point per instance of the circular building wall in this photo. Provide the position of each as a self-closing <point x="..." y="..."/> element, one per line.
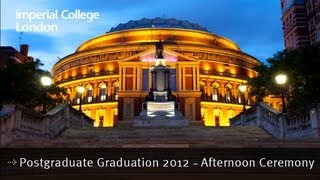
<point x="114" y="68"/>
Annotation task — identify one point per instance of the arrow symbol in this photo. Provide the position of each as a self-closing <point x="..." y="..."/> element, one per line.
<point x="13" y="162"/>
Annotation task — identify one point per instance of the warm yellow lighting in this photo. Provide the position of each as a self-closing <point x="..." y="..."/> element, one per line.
<point x="220" y="68"/>
<point x="46" y="81"/>
<point x="80" y="89"/>
<point x="232" y="70"/>
<point x="215" y="61"/>
<point x="281" y="79"/>
<point x="110" y="67"/>
<point x="206" y="67"/>
<point x="140" y="34"/>
<point x="161" y="62"/>
<point x="243" y="88"/>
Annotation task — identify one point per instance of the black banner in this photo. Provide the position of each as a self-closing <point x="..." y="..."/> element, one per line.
<point x="186" y="162"/>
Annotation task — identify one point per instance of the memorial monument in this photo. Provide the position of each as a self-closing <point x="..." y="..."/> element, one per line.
<point x="160" y="107"/>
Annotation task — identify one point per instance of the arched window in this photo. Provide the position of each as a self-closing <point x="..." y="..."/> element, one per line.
<point x="215" y="94"/>
<point x="240" y="97"/>
<point x="78" y="96"/>
<point x="215" y="91"/>
<point x="228" y="94"/>
<point x="115" y="89"/>
<point x="89" y="94"/>
<point x="103" y="92"/>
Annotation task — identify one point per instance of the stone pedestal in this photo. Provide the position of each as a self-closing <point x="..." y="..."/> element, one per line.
<point x="160" y="105"/>
<point x="160" y="114"/>
<point x="160" y="120"/>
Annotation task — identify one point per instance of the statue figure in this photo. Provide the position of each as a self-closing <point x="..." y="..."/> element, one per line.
<point x="171" y="97"/>
<point x="150" y="97"/>
<point x="159" y="50"/>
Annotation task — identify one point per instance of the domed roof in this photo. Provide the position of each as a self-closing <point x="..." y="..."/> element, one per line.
<point x="158" y="23"/>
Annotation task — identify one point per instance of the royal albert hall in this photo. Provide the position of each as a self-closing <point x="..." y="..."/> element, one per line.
<point x="114" y="69"/>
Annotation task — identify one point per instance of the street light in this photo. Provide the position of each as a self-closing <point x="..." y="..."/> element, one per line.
<point x="46" y="82"/>
<point x="80" y="91"/>
<point x="243" y="89"/>
<point x="281" y="79"/>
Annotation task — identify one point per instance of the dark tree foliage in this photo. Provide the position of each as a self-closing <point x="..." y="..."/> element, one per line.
<point x="20" y="84"/>
<point x="260" y="85"/>
<point x="302" y="67"/>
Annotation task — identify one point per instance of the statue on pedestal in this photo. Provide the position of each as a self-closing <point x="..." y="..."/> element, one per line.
<point x="160" y="107"/>
<point x="159" y="50"/>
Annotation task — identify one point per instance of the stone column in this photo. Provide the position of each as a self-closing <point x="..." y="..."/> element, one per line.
<point x="95" y="90"/>
<point x="154" y="78"/>
<point x="180" y="77"/>
<point x="194" y="78"/>
<point x="282" y="126"/>
<point x="208" y="88"/>
<point x="120" y="78"/>
<point x="223" y="89"/>
<point x="235" y="91"/>
<point x="183" y="80"/>
<point x="168" y="80"/>
<point x="139" y="77"/>
<point x="134" y="78"/>
<point x="165" y="80"/>
<point x="198" y="78"/>
<point x="124" y="79"/>
<point x="109" y="88"/>
<point x="179" y="74"/>
<point x="150" y="82"/>
<point x="315" y="121"/>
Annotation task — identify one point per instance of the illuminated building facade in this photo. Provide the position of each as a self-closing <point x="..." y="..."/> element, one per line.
<point x="114" y="68"/>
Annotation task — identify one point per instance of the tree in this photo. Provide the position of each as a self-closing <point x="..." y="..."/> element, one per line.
<point x="21" y="84"/>
<point x="260" y="85"/>
<point x="301" y="67"/>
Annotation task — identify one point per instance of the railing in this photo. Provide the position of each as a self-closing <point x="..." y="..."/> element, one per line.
<point x="303" y="122"/>
<point x="222" y="99"/>
<point x="300" y="123"/>
<point x="21" y="123"/>
<point x="225" y="74"/>
<point x="112" y="98"/>
<point x="93" y="74"/>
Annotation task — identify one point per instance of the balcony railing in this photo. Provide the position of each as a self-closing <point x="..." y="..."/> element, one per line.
<point x="97" y="99"/>
<point x="93" y="74"/>
<point x="225" y="74"/>
<point x="223" y="99"/>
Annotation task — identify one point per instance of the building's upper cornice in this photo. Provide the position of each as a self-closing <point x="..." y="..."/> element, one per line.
<point x="158" y="23"/>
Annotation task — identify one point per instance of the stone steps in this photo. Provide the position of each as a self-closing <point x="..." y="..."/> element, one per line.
<point x="85" y="143"/>
<point x="185" y="132"/>
<point x="168" y="137"/>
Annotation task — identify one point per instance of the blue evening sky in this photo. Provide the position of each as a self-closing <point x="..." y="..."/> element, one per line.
<point x="253" y="24"/>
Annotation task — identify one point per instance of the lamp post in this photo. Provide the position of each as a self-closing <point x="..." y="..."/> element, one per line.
<point x="80" y="91"/>
<point x="281" y="79"/>
<point x="243" y="89"/>
<point x="46" y="82"/>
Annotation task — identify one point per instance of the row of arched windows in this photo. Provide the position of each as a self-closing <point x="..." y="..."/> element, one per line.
<point x="88" y="95"/>
<point x="230" y="95"/>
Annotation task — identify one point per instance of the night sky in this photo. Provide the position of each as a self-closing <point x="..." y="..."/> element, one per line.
<point x="253" y="24"/>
